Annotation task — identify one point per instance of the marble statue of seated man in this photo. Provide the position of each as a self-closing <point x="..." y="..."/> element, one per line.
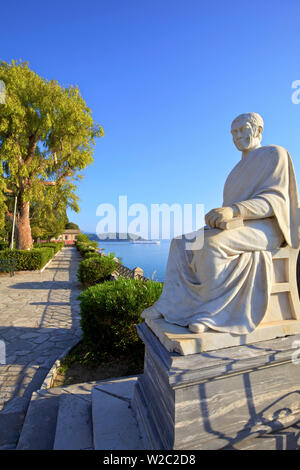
<point x="226" y="285"/>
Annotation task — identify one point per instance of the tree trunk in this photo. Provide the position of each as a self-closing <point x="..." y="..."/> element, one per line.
<point x="23" y="230"/>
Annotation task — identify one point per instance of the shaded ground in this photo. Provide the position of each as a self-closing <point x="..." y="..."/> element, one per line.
<point x="39" y="319"/>
<point x="80" y="366"/>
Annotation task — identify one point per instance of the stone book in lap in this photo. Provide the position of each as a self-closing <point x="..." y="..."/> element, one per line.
<point x="225" y="286"/>
<point x="230" y="224"/>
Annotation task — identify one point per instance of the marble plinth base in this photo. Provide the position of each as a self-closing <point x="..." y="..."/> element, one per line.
<point x="179" y="339"/>
<point x="235" y="397"/>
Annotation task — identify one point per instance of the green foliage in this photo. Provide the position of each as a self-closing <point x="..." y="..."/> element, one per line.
<point x="55" y="245"/>
<point x="93" y="244"/>
<point x="29" y="260"/>
<point x="84" y="245"/>
<point x="3" y="205"/>
<point x="96" y="269"/>
<point x="83" y="248"/>
<point x="110" y="311"/>
<point x="3" y="245"/>
<point x="82" y="238"/>
<point x="91" y="254"/>
<point x="71" y="226"/>
<point x="37" y="232"/>
<point x="6" y="230"/>
<point x="48" y="216"/>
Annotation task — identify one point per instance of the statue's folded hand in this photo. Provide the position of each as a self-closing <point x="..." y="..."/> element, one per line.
<point x="216" y="216"/>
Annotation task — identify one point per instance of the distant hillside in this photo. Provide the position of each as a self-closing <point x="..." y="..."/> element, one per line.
<point x="106" y="237"/>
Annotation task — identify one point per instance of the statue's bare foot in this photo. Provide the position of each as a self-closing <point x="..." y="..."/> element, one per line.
<point x="151" y="313"/>
<point x="198" y="327"/>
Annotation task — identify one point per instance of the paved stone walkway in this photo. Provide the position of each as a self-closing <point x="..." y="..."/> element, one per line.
<point x="39" y="320"/>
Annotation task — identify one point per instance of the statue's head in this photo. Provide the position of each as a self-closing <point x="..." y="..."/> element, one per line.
<point x="246" y="130"/>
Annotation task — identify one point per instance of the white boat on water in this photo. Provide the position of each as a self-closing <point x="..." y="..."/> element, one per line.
<point x="156" y="242"/>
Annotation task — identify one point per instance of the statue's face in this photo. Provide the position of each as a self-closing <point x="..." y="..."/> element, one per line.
<point x="244" y="135"/>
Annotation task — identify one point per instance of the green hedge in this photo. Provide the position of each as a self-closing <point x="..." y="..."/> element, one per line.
<point x="82" y="238"/>
<point x="91" y="254"/>
<point x="29" y="260"/>
<point x="96" y="269"/>
<point x="55" y="245"/>
<point x="84" y="245"/>
<point x="110" y="311"/>
<point x="84" y="248"/>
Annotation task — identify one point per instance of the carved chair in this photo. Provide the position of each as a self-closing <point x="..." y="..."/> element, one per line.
<point x="284" y="301"/>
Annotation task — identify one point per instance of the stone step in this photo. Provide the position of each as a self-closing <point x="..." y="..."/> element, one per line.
<point x="82" y="416"/>
<point x="39" y="427"/>
<point x="114" y="424"/>
<point x="11" y="421"/>
<point x="74" y="429"/>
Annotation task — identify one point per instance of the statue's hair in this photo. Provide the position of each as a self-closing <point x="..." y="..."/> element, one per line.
<point x="253" y="118"/>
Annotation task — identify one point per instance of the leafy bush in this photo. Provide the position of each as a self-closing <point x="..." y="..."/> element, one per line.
<point x="91" y="254"/>
<point x="3" y="245"/>
<point x="84" y="248"/>
<point x="84" y="245"/>
<point x="29" y="260"/>
<point x="71" y="225"/>
<point x="110" y="311"/>
<point x="55" y="245"/>
<point x="96" y="269"/>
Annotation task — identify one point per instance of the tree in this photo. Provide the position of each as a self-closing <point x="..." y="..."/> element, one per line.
<point x="3" y="205"/>
<point x="47" y="136"/>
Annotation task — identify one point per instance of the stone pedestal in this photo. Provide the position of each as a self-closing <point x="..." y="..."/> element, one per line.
<point x="245" y="396"/>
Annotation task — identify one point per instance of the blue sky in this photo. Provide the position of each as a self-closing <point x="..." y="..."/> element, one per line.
<point x="164" y="79"/>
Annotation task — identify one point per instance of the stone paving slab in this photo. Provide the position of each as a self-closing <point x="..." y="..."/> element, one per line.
<point x="39" y="319"/>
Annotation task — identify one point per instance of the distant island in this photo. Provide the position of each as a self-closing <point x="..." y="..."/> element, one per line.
<point x="120" y="237"/>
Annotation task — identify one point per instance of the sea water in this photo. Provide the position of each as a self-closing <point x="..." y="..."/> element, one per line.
<point x="152" y="258"/>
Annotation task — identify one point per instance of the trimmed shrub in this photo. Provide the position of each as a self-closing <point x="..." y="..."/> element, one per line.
<point x="29" y="260"/>
<point x="84" y="248"/>
<point x="82" y="238"/>
<point x="85" y="245"/>
<point x="110" y="311"/>
<point x="96" y="269"/>
<point x="71" y="225"/>
<point x="91" y="254"/>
